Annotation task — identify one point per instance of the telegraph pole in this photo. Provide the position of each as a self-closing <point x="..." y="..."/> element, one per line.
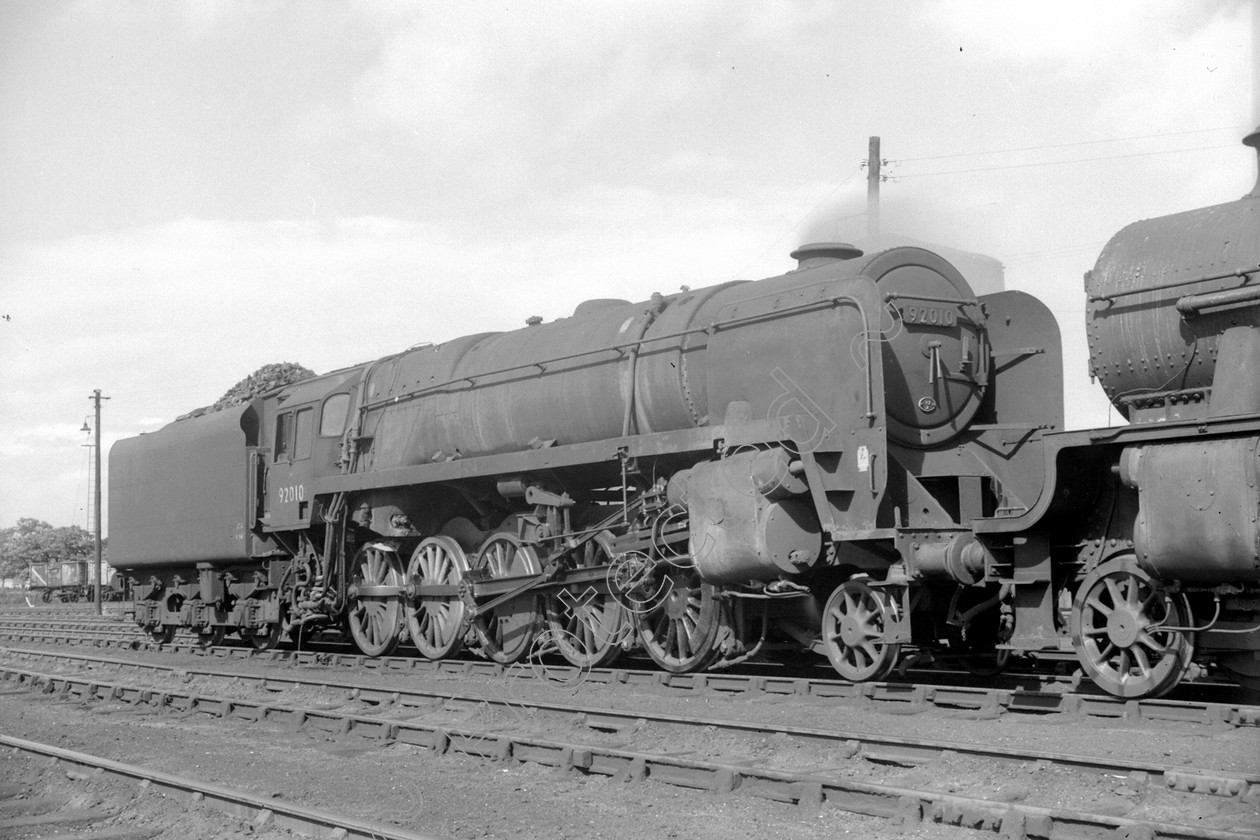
<point x="872" y="193"/>
<point x="96" y="398"/>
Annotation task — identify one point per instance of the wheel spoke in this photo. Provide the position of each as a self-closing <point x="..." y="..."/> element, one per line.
<point x="1133" y="593"/>
<point x="1143" y="663"/>
<point x="588" y="636"/>
<point x="1095" y="603"/>
<point x="671" y="645"/>
<point x="1147" y="640"/>
<point x="1145" y="607"/>
<point x="658" y="630"/>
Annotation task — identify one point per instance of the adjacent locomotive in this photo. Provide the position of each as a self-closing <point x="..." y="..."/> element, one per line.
<point x="854" y="457"/>
<point x="1167" y="536"/>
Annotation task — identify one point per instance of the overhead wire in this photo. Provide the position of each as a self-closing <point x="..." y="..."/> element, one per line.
<point x="1058" y="162"/>
<point x="1070" y="145"/>
<point x="1002" y="167"/>
<point x="1029" y="256"/>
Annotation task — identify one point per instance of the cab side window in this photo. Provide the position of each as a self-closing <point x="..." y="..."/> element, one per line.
<point x="303" y="428"/>
<point x="284" y="436"/>
<point x="332" y="421"/>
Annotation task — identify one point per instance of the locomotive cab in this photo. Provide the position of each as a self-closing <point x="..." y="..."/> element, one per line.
<point x="303" y="432"/>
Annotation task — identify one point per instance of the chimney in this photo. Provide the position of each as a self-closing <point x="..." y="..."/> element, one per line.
<point x="820" y="253"/>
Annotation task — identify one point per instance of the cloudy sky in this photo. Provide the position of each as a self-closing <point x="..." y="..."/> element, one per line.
<point x="190" y="190"/>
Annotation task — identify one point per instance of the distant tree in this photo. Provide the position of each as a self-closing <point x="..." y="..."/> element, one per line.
<point x="35" y="541"/>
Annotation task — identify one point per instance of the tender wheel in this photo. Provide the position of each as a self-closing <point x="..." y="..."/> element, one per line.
<point x="265" y="637"/>
<point x="211" y="636"/>
<point x="855" y="622"/>
<point x="975" y="630"/>
<point x="507" y="631"/>
<point x="163" y="634"/>
<point x="437" y="623"/>
<point x="679" y="627"/>
<point x="588" y="627"/>
<point x="376" y="610"/>
<point x="1116" y="619"/>
<point x="1243" y="668"/>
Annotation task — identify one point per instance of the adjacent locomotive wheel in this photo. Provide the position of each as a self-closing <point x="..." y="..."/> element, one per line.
<point x="375" y="616"/>
<point x="975" y="630"/>
<point x="588" y="627"/>
<point x="507" y="631"/>
<point x="163" y="634"/>
<point x="855" y="622"/>
<point x="211" y="636"/>
<point x="679" y="628"/>
<point x="1116" y="623"/>
<point x="437" y="624"/>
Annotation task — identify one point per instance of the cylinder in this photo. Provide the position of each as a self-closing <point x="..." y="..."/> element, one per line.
<point x="743" y="525"/>
<point x="1198" y="508"/>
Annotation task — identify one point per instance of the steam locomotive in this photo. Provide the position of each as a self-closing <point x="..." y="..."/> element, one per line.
<point x="858" y="458"/>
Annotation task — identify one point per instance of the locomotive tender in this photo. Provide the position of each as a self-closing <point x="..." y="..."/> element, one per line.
<point x="855" y="457"/>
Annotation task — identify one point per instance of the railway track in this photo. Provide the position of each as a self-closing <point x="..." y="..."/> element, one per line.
<point x="256" y="812"/>
<point x="395" y="701"/>
<point x="822" y="786"/>
<point x="1037" y="695"/>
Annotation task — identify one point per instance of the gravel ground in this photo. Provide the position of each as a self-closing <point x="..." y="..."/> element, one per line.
<point x="452" y="796"/>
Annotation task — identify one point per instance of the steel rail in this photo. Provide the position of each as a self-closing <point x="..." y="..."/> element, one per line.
<point x="117" y="628"/>
<point x="876" y="748"/>
<point x="261" y="812"/>
<point x="983" y="701"/>
<point x="907" y="805"/>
